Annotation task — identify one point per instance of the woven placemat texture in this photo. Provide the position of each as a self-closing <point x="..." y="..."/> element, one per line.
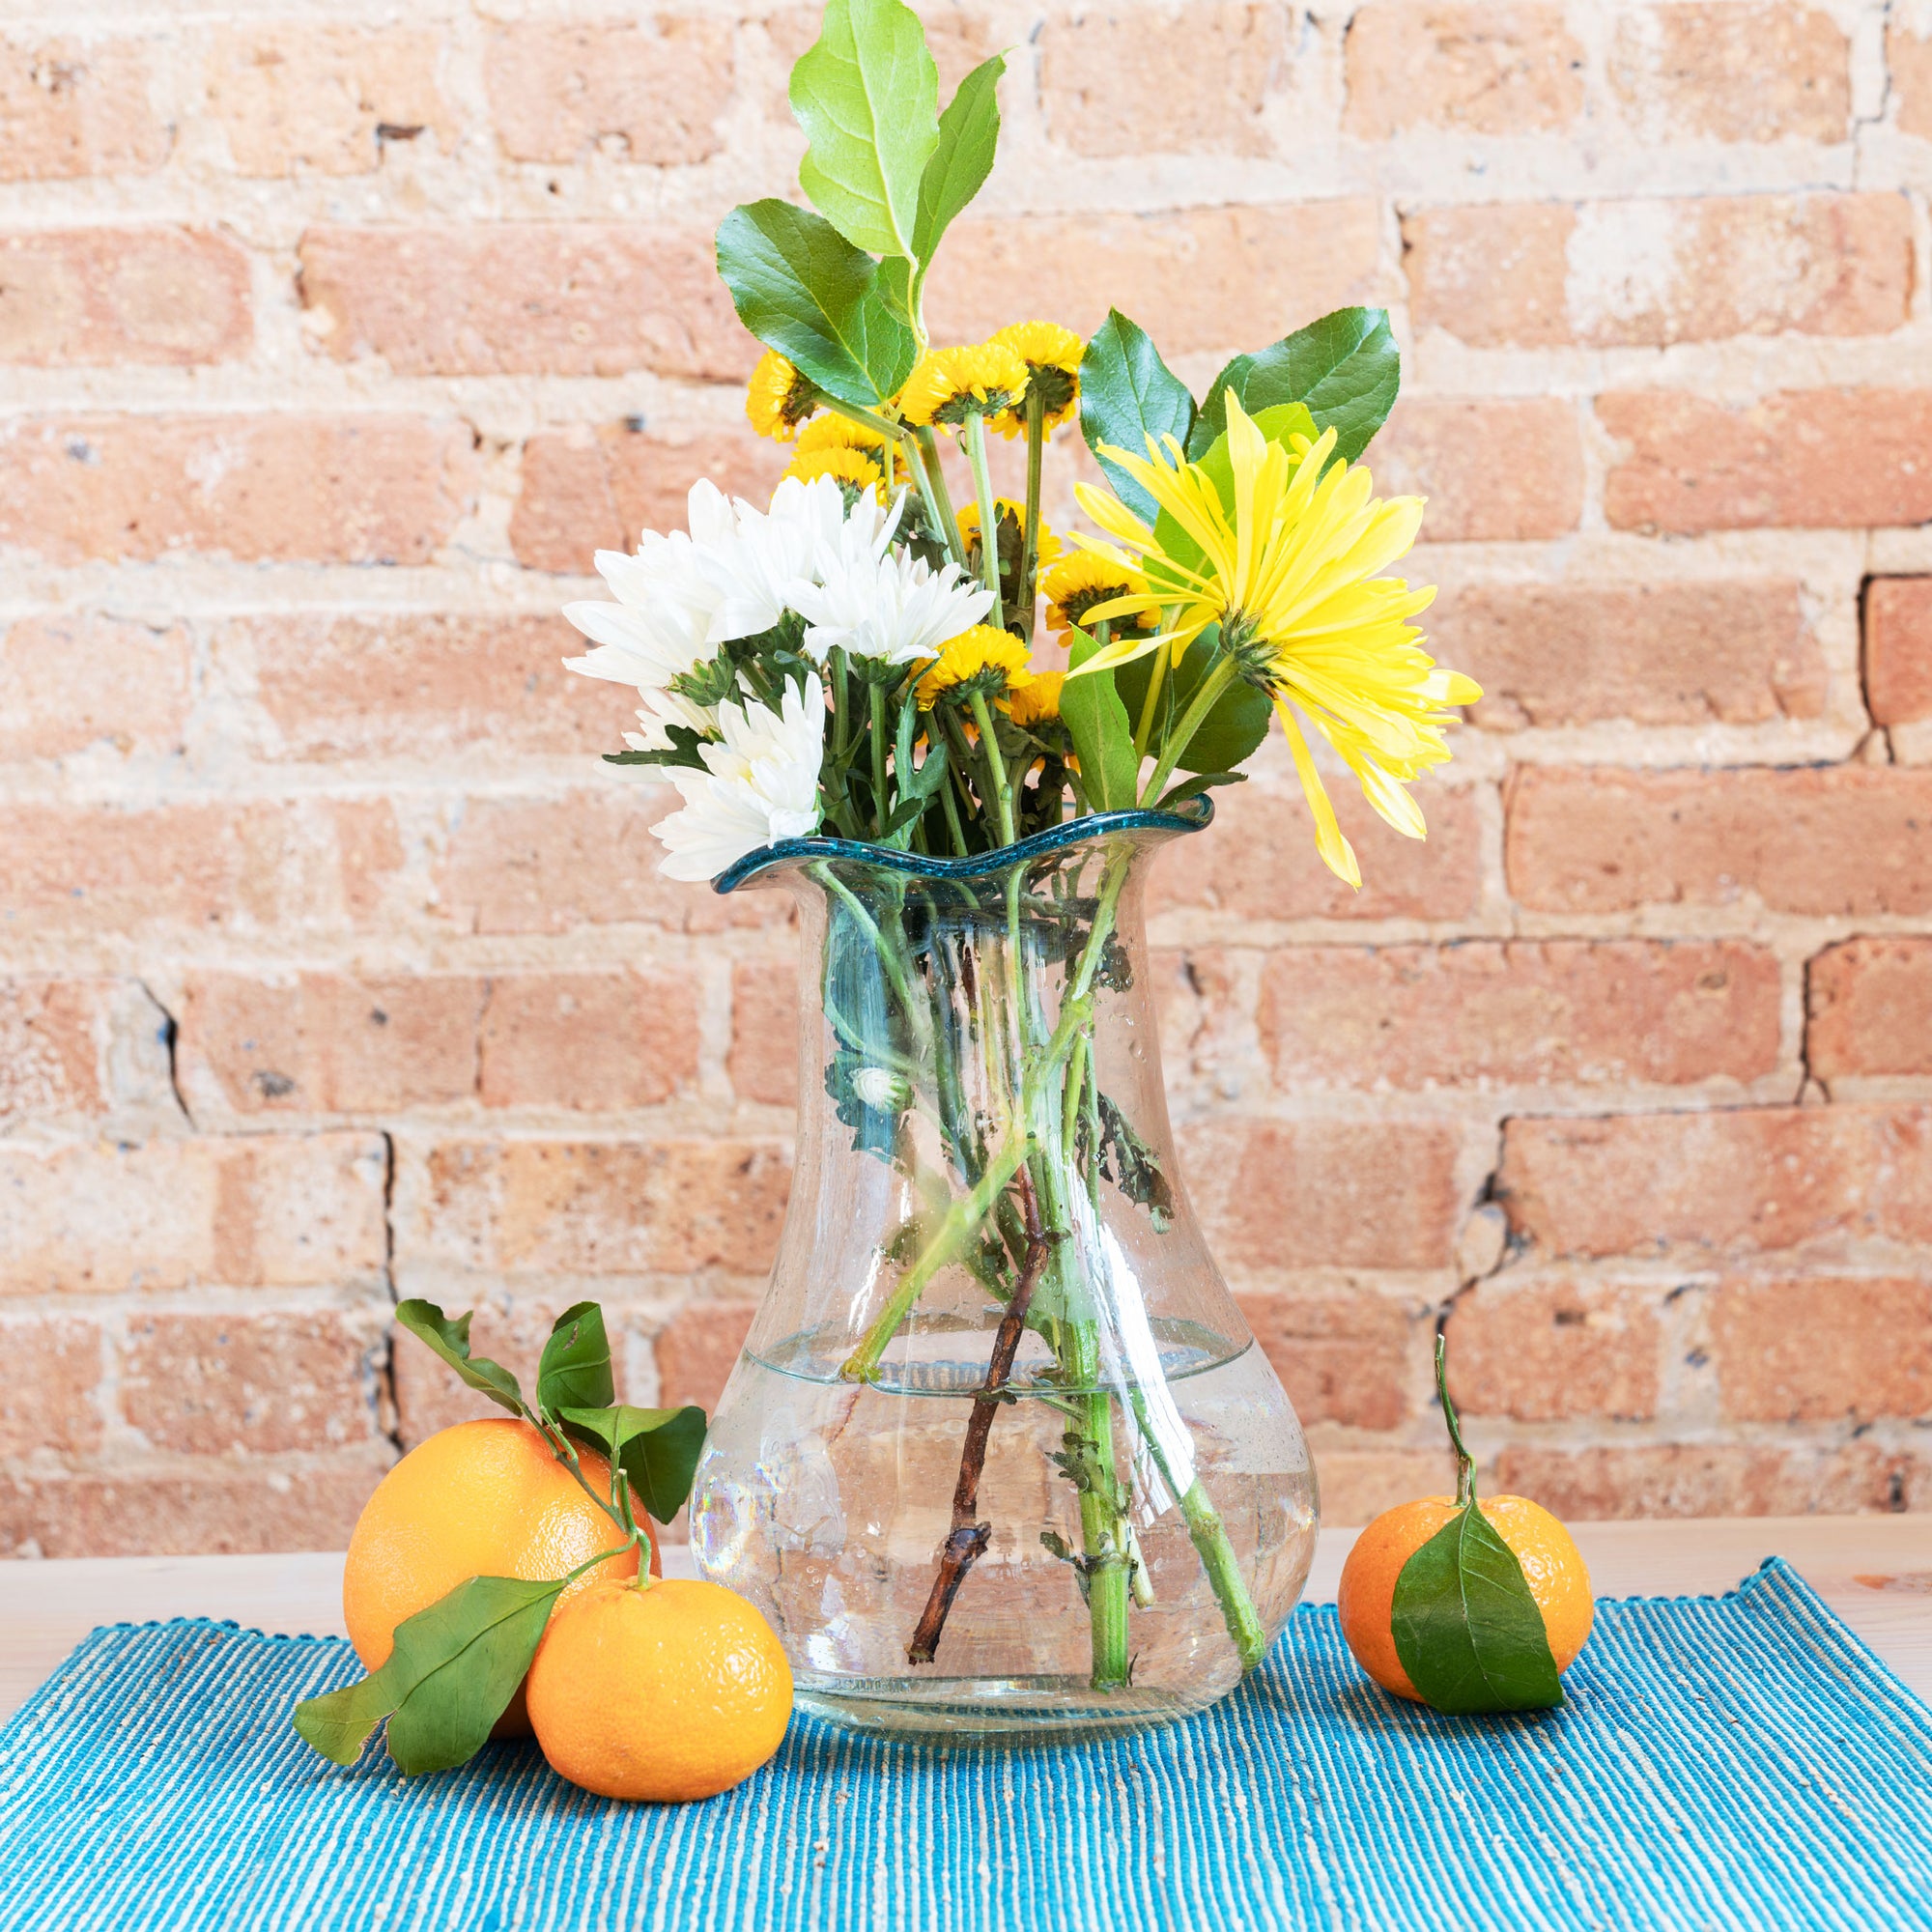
<point x="1736" y="1761"/>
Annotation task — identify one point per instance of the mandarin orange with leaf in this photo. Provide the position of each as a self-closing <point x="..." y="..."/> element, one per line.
<point x="486" y="1498"/>
<point x="664" y="1692"/>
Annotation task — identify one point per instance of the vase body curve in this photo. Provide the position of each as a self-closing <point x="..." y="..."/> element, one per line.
<point x="1001" y="1457"/>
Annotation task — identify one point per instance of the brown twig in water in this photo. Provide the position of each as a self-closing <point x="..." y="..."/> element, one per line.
<point x="968" y="1539"/>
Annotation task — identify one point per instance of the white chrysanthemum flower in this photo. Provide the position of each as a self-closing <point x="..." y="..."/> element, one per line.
<point x="893" y="607"/>
<point x="759" y="786"/>
<point x="769" y="552"/>
<point x="661" y="625"/>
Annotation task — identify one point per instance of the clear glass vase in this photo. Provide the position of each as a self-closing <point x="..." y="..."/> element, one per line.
<point x="1001" y="1455"/>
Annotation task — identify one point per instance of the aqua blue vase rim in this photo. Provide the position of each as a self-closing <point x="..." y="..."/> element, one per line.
<point x="1194" y="815"/>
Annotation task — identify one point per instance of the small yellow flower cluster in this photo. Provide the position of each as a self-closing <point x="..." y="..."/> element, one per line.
<point x="833" y="446"/>
<point x="995" y="662"/>
<point x="1050" y="546"/>
<point x="1078" y="584"/>
<point x="994" y="377"/>
<point x="778" y="398"/>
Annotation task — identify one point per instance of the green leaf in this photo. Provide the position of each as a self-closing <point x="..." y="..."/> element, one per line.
<point x="867" y="93"/>
<point x="1345" y="367"/>
<point x="450" y="1340"/>
<point x="656" y="1449"/>
<point x="451" y="1675"/>
<point x="1231" y="733"/>
<point x="801" y="288"/>
<point x="1102" y="732"/>
<point x="1126" y="394"/>
<point x="1466" y="1628"/>
<point x="575" y="1370"/>
<point x="969" y="135"/>
<point x="1193" y="787"/>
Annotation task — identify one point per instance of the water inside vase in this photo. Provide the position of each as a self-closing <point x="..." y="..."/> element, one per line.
<point x="827" y="1502"/>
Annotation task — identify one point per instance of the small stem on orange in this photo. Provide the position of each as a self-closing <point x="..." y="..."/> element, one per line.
<point x="1465" y="1463"/>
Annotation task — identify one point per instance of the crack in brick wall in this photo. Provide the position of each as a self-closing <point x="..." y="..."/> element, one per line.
<point x="332" y="971"/>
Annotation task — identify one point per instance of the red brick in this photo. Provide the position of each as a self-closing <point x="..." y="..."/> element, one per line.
<point x="1714" y="1477"/>
<point x="325" y="1043"/>
<point x="513" y="298"/>
<point x="252" y="1382"/>
<point x="1551" y="1013"/>
<point x="419" y="685"/>
<point x="214" y="1510"/>
<point x="1203" y="278"/>
<point x="47" y="1397"/>
<point x="1616" y="274"/>
<point x="1726" y="71"/>
<point x="241" y="868"/>
<point x="52" y="1033"/>
<point x="298" y="98"/>
<point x="610" y="1040"/>
<point x="121" y="294"/>
<point x="1820" y="841"/>
<point x="585" y="491"/>
<point x="1556" y="1351"/>
<point x="1898" y="649"/>
<point x="1358" y="1484"/>
<point x="1343" y="1358"/>
<point x="1870" y="1008"/>
<point x="602" y="1208"/>
<point x="697" y="1349"/>
<point x="1499" y="471"/>
<point x="560" y="88"/>
<point x="1475" y="65"/>
<point x="1813" y="1350"/>
<point x="1748" y="1179"/>
<point x="79" y="107"/>
<point x="69" y="682"/>
<point x="1259" y="860"/>
<point x="1809" y="459"/>
<point x="371" y="489"/>
<point x="1732" y="651"/>
<point x="586" y="859"/>
<point x="1907" y="60"/>
<point x="1211" y="63"/>
<point x="258" y="1211"/>
<point x="1282" y="1194"/>
<point x="1491" y="275"/>
<point x="763" y="1061"/>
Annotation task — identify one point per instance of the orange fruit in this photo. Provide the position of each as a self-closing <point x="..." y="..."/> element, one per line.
<point x="668" y="1693"/>
<point x="1552" y="1566"/>
<point x="482" y="1499"/>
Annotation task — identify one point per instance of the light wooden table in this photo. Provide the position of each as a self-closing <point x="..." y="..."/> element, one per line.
<point x="1875" y="1571"/>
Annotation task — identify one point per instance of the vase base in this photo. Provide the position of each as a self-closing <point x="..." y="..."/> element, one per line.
<point x="991" y="1711"/>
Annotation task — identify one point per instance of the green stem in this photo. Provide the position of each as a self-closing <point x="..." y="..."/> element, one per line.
<point x="989" y="527"/>
<point x="1156" y="678"/>
<point x="853" y="413"/>
<point x="1035" y="433"/>
<point x="1192" y="719"/>
<point x="1465" y="1463"/>
<point x="875" y="701"/>
<point x="928" y="444"/>
<point x="996" y="764"/>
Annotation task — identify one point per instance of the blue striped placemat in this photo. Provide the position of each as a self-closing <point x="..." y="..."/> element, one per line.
<point x="1736" y="1761"/>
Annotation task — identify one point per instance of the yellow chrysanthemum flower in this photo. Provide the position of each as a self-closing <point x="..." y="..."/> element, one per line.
<point x="1052" y="356"/>
<point x="950" y="385"/>
<point x="1036" y="702"/>
<point x="778" y="398"/>
<point x="972" y="655"/>
<point x="968" y="517"/>
<point x="847" y="465"/>
<point x="1076" y="583"/>
<point x="1288" y="571"/>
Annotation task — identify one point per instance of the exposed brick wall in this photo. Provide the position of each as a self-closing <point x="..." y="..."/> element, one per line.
<point x="332" y="343"/>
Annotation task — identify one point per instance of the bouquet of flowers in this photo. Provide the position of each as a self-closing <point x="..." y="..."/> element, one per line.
<point x="891" y="659"/>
